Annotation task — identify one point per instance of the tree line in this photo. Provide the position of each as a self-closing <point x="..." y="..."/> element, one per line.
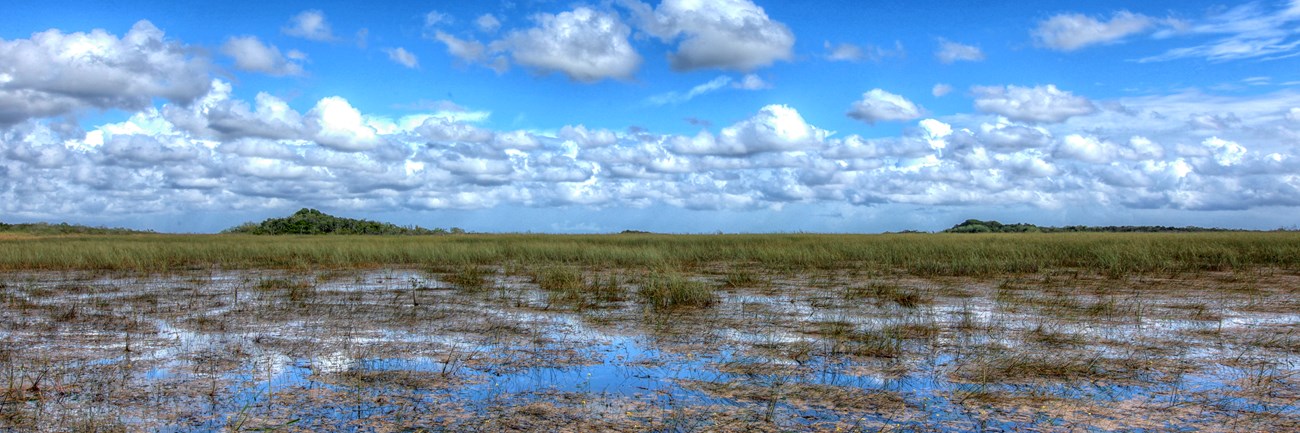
<point x="978" y="226"/>
<point x="314" y="222"/>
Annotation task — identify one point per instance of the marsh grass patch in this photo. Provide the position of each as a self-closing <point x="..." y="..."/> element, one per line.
<point x="668" y="290"/>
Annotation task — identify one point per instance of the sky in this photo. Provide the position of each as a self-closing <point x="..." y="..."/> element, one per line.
<point x="683" y="116"/>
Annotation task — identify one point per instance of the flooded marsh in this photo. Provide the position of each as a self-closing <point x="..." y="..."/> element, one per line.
<point x="721" y="348"/>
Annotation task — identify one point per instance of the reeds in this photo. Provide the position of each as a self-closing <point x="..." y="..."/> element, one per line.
<point x="663" y="290"/>
<point x="927" y="255"/>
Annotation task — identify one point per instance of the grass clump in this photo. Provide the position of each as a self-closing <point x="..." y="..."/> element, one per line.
<point x="906" y="297"/>
<point x="667" y="291"/>
<point x="847" y="338"/>
<point x="607" y="288"/>
<point x="297" y="291"/>
<point x="741" y="278"/>
<point x="470" y="278"/>
<point x="562" y="284"/>
<point x="567" y="285"/>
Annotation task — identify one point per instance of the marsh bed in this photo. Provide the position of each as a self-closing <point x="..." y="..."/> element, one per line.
<point x="512" y="348"/>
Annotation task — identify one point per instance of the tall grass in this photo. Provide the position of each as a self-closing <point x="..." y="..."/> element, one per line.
<point x="1112" y="254"/>
<point x="667" y="291"/>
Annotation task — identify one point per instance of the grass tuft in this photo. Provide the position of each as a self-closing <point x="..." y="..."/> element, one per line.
<point x="470" y="278"/>
<point x="668" y="290"/>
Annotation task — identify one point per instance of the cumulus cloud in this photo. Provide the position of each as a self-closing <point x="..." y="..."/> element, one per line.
<point x="1007" y="135"/>
<point x="54" y="73"/>
<point x="309" y="24"/>
<point x="335" y="124"/>
<point x="775" y="128"/>
<point x="584" y="44"/>
<point x="879" y="105"/>
<point x="271" y="118"/>
<point x="725" y="34"/>
<point x="219" y="154"/>
<point x="1070" y="32"/>
<point x="1097" y="150"/>
<point x="1045" y="104"/>
<point x="950" y="52"/>
<point x="403" y="57"/>
<point x="1223" y="151"/>
<point x="1086" y="148"/>
<point x="251" y="54"/>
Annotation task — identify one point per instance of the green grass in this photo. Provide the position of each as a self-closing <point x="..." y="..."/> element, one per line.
<point x="667" y="291"/>
<point x="1112" y="254"/>
<point x="907" y="297"/>
<point x="470" y="278"/>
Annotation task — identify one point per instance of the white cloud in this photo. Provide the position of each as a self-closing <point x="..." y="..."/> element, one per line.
<point x="471" y="52"/>
<point x="877" y="105"/>
<point x="1096" y="150"/>
<point x="584" y="44"/>
<point x="1007" y="135"/>
<point x="467" y="50"/>
<point x="725" y="34"/>
<point x="270" y="119"/>
<point x="941" y="89"/>
<point x="1045" y="104"/>
<point x="251" y="54"/>
<point x="435" y="18"/>
<point x="775" y="128"/>
<point x="677" y="97"/>
<point x="950" y="52"/>
<point x="1225" y="152"/>
<point x="487" y="23"/>
<point x="219" y="154"/>
<point x="403" y="57"/>
<point x="846" y="52"/>
<point x="588" y="137"/>
<point x="1069" y="32"/>
<point x="1293" y="114"/>
<point x="751" y="82"/>
<point x="747" y="82"/>
<point x="339" y="126"/>
<point x="1249" y="31"/>
<point x="309" y="24"/>
<point x="54" y="73"/>
<point x="1086" y="148"/>
<point x="1214" y="121"/>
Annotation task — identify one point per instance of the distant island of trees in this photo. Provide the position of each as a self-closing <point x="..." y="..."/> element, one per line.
<point x="66" y="229"/>
<point x="977" y="226"/>
<point x="314" y="222"/>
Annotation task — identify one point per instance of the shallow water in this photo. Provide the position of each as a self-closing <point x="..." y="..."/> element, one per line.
<point x="222" y="350"/>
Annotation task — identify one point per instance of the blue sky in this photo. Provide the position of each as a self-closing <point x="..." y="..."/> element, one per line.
<point x="677" y="116"/>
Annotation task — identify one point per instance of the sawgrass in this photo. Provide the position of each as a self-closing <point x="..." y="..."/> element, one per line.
<point x="1112" y="254"/>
